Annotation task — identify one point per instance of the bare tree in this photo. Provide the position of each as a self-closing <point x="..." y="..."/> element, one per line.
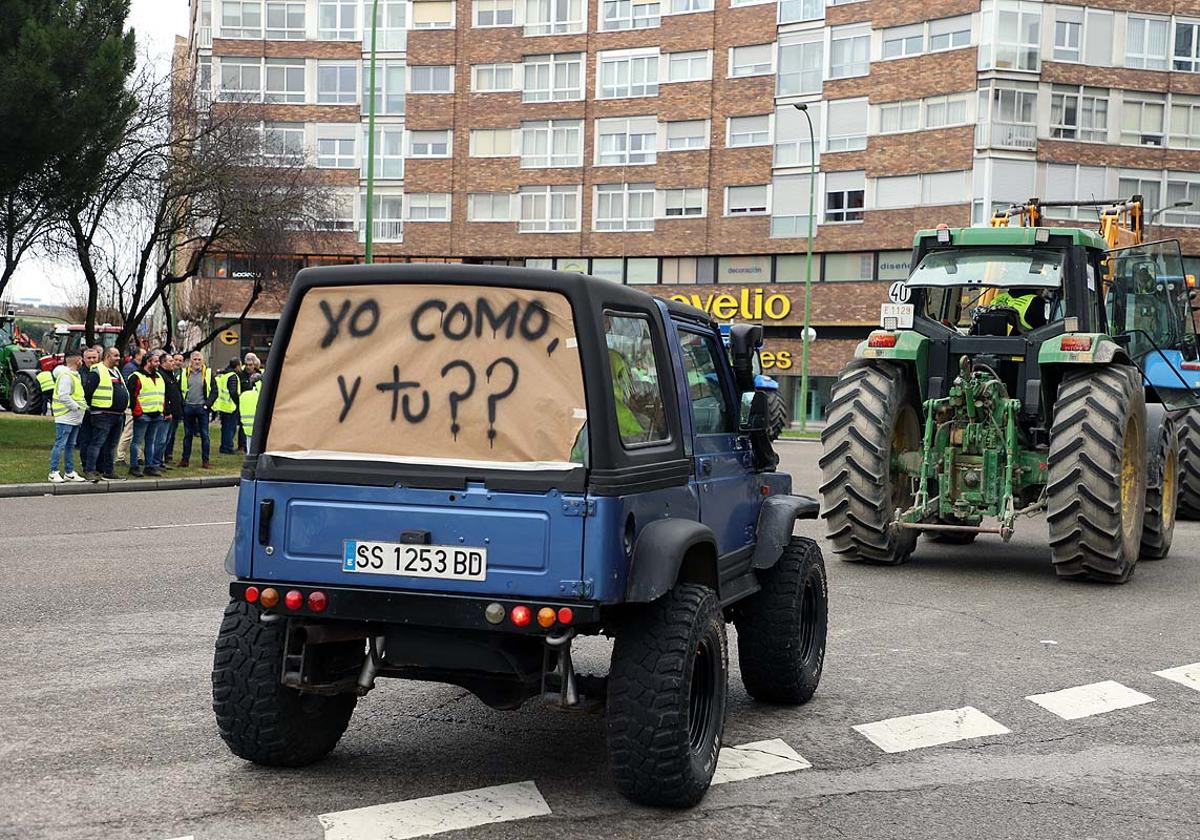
<point x="186" y="181"/>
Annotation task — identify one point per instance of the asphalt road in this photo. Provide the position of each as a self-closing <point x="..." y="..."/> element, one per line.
<point x="110" y="604"/>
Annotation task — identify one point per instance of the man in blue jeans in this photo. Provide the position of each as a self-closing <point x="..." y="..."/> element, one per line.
<point x="199" y="391"/>
<point x="108" y="399"/>
<point x="147" y="395"/>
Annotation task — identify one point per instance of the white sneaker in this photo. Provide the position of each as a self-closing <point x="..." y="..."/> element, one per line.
<point x="56" y="477"/>
<point x="74" y="476"/>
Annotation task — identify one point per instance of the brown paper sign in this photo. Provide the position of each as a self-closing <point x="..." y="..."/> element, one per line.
<point x="426" y="373"/>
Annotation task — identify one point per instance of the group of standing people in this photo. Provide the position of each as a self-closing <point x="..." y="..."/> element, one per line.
<point x="131" y="413"/>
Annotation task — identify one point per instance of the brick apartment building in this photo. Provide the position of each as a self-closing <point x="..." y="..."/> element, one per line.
<point x="655" y="142"/>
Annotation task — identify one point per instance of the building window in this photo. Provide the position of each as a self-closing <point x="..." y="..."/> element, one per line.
<point x="1185" y="122"/>
<point x="336" y="146"/>
<point x="624" y="207"/>
<point x="795" y="11"/>
<point x="337" y="82"/>
<point x="627" y="74"/>
<point x="627" y="141"/>
<point x="1182" y="186"/>
<point x="553" y="78"/>
<point x="391" y="30"/>
<point x="686" y="134"/>
<point x="749" y="200"/>
<point x="389" y="152"/>
<point x="689" y="66"/>
<point x="489" y="207"/>
<point x="431" y="78"/>
<point x="1142" y="116"/>
<point x="388" y="217"/>
<point x="427" y="207"/>
<point x="688" y="270"/>
<point x="241" y="19"/>
<point x="800" y="64"/>
<point x="494" y="13"/>
<point x="550" y="143"/>
<point x="849" y="268"/>
<point x="751" y="60"/>
<point x="1007" y="115"/>
<point x="748" y="131"/>
<point x="789" y="209"/>
<point x="903" y="41"/>
<point x="492" y="142"/>
<point x="844" y="196"/>
<point x="1069" y="182"/>
<point x="1187" y="47"/>
<point x="283" y="144"/>
<point x="549" y="209"/>
<point x="285" y="81"/>
<point x="641" y="270"/>
<point x="895" y="117"/>
<point x="849" y="51"/>
<point x="846" y="127"/>
<point x="941" y="111"/>
<point x="389" y="88"/>
<point x="683" y="7"/>
<point x="430" y="144"/>
<point x="1010" y="35"/>
<point x="949" y="33"/>
<point x="792" y="138"/>
<point x="432" y="14"/>
<point x="1146" y="42"/>
<point x="553" y="17"/>
<point x="1140" y="182"/>
<point x="1068" y="33"/>
<point x="241" y="79"/>
<point x="339" y="215"/>
<point x="285" y="20"/>
<point x="684" y="202"/>
<point x="629" y="14"/>
<point x="1079" y="113"/>
<point x="493" y="78"/>
<point x="931" y="188"/>
<point x="337" y="20"/>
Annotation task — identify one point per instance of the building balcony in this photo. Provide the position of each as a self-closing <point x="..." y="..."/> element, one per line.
<point x="1001" y="135"/>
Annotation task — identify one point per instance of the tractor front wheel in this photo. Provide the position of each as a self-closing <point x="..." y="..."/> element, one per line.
<point x="26" y="396"/>
<point x="1162" y="487"/>
<point x="778" y="414"/>
<point x="1188" y="422"/>
<point x="872" y="420"/>
<point x="1097" y="484"/>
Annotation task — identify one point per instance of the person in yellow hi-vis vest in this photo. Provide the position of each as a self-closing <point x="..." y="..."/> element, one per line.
<point x="1027" y="303"/>
<point x="68" y="407"/>
<point x="147" y="395"/>
<point x="226" y="405"/>
<point x="247" y="405"/>
<point x="45" y="381"/>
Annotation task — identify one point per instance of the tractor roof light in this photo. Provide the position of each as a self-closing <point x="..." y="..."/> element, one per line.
<point x="943" y="234"/>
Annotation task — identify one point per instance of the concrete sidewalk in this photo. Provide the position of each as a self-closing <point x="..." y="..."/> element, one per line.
<point x="128" y="486"/>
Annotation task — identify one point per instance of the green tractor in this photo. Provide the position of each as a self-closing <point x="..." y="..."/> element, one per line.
<point x="1008" y="380"/>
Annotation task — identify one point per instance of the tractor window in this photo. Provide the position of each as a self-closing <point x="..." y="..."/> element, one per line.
<point x="1002" y="267"/>
<point x="1149" y="298"/>
<point x="637" y="389"/>
<point x="710" y="412"/>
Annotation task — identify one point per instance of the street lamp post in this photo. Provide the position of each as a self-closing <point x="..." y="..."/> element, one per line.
<point x="808" y="255"/>
<point x="370" y="255"/>
<point x="1161" y="210"/>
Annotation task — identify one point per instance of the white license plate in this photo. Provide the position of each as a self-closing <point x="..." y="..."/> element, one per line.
<point x="444" y="562"/>
<point x="900" y="314"/>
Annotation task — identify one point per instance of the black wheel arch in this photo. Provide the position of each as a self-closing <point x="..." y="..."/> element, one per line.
<point x="668" y="551"/>
<point x="776" y="521"/>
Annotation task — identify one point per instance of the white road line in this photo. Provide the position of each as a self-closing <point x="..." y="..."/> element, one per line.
<point x="759" y="758"/>
<point x="1087" y="700"/>
<point x="177" y="525"/>
<point x="930" y="729"/>
<point x="1188" y="675"/>
<point x="436" y="814"/>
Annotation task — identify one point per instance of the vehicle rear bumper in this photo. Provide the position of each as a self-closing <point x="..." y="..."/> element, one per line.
<point x="421" y="609"/>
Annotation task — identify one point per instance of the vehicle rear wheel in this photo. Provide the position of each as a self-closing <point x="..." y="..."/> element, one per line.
<point x="872" y="420"/>
<point x="666" y="698"/>
<point x="781" y="630"/>
<point x="778" y="419"/>
<point x="1162" y="491"/>
<point x="1096" y="494"/>
<point x="1188" y="422"/>
<point x="26" y="396"/>
<point x="260" y="719"/>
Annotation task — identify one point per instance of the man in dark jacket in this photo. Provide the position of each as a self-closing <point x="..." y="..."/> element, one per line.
<point x="108" y="398"/>
<point x="173" y="412"/>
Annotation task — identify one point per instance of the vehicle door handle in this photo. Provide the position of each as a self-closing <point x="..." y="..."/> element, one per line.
<point x="706" y="467"/>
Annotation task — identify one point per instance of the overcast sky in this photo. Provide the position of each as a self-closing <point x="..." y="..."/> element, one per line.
<point x="156" y="23"/>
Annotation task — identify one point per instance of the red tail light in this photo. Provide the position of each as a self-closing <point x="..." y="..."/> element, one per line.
<point x="317" y="602"/>
<point x="881" y="340"/>
<point x="521" y="616"/>
<point x="251" y="594"/>
<point x="1190" y="365"/>
<point x="1077" y="342"/>
<point x="566" y="615"/>
<point x="293" y="600"/>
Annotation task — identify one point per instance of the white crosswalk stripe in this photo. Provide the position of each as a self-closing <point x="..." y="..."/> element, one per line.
<point x="437" y="814"/>
<point x="1086" y="700"/>
<point x="930" y="729"/>
<point x="1188" y="675"/>
<point x="759" y="758"/>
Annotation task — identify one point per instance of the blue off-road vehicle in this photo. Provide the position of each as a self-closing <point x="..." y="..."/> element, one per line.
<point x="457" y="470"/>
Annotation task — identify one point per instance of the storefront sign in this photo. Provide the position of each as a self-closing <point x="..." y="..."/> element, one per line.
<point x="747" y="304"/>
<point x="775" y="361"/>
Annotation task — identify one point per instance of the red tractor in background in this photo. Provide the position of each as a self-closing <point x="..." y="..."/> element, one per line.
<point x="21" y="359"/>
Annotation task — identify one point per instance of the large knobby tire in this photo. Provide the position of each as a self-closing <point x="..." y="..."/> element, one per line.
<point x="1188" y="422"/>
<point x="1096" y="495"/>
<point x="781" y="629"/>
<point x="260" y="719"/>
<point x="872" y="417"/>
<point x="26" y="395"/>
<point x="666" y="698"/>
<point x="778" y="419"/>
<point x="1162" y="492"/>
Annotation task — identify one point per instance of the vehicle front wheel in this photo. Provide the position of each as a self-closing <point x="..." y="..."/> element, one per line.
<point x="259" y="718"/>
<point x="781" y="630"/>
<point x="779" y="415"/>
<point x="666" y="698"/>
<point x="1162" y="487"/>
<point x="26" y="396"/>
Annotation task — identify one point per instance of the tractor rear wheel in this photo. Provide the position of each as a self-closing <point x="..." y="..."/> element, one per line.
<point x="1097" y="484"/>
<point x="1188" y="422"/>
<point x="26" y="396"/>
<point x="1162" y="486"/>
<point x="872" y="420"/>
<point x="778" y="414"/>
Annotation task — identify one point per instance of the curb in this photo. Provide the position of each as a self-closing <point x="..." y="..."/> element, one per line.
<point x="133" y="485"/>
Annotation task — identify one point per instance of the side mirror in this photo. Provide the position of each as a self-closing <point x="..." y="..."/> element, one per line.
<point x="744" y="341"/>
<point x="754" y="410"/>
